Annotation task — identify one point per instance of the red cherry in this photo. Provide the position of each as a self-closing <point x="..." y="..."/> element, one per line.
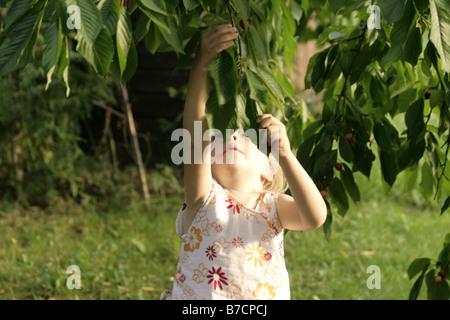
<point x="354" y="140"/>
<point x="441" y="274"/>
<point x="438" y="280"/>
<point x="338" y="166"/>
<point x="349" y="137"/>
<point x="373" y="156"/>
<point x="241" y="23"/>
<point x="427" y="95"/>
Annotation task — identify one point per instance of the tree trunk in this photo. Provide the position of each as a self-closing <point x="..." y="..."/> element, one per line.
<point x="137" y="150"/>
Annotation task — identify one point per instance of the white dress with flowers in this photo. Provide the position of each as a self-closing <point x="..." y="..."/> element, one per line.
<point x="231" y="252"/>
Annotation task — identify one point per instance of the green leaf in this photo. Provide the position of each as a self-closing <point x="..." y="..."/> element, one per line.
<point x="100" y="54"/>
<point x="110" y="10"/>
<point x="427" y="184"/>
<point x="131" y="65"/>
<point x="446" y="205"/>
<point x="259" y="44"/>
<point x="124" y="38"/>
<point x="258" y="90"/>
<point x="19" y="37"/>
<point x="304" y="151"/>
<point x="363" y="159"/>
<point x="337" y="192"/>
<point x="414" y="120"/>
<point x="399" y="34"/>
<point x="418" y="265"/>
<point x="345" y="150"/>
<point x="271" y="83"/>
<point x="155" y="5"/>
<point x="169" y="29"/>
<point x="318" y="71"/>
<point x="440" y="30"/>
<point x="413" y="47"/>
<point x="224" y="73"/>
<point x="388" y="166"/>
<point x="53" y="43"/>
<point x="386" y="135"/>
<point x="190" y="4"/>
<point x="415" y="290"/>
<point x="349" y="183"/>
<point x="90" y="20"/>
<point x="52" y="46"/>
<point x="243" y="7"/>
<point x="17" y="9"/>
<point x="327" y="225"/>
<point x="392" y="9"/>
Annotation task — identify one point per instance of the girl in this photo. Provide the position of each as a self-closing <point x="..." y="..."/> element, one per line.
<point x="232" y="221"/>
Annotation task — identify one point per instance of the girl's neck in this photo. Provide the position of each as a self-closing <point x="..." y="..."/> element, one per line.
<point x="249" y="199"/>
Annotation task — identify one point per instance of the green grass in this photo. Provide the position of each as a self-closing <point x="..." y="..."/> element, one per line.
<point x="131" y="252"/>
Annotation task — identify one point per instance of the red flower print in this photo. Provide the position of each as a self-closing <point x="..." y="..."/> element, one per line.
<point x="219" y="228"/>
<point x="268" y="256"/>
<point x="182" y="278"/>
<point x="238" y="242"/>
<point x="210" y="253"/>
<point x="217" y="278"/>
<point x="236" y="207"/>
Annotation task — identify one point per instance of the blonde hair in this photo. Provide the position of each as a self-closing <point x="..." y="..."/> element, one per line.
<point x="278" y="182"/>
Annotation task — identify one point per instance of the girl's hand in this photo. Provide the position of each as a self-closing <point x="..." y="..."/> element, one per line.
<point x="213" y="42"/>
<point x="276" y="130"/>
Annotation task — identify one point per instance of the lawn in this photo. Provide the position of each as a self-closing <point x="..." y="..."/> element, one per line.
<point x="131" y="252"/>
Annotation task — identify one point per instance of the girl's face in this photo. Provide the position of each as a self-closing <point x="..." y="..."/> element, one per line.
<point x="238" y="153"/>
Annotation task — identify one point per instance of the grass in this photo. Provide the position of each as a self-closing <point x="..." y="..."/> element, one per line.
<point x="129" y="252"/>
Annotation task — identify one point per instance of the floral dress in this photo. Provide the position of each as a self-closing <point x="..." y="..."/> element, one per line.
<point x="231" y="251"/>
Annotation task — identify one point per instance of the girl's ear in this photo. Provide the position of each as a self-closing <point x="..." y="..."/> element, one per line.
<point x="266" y="177"/>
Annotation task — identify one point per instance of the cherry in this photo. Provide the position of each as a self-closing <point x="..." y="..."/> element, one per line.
<point x="373" y="156"/>
<point x="427" y="95"/>
<point x="324" y="192"/>
<point x="349" y="137"/>
<point x="241" y="23"/>
<point x="441" y="274"/>
<point x="438" y="279"/>
<point x="338" y="166"/>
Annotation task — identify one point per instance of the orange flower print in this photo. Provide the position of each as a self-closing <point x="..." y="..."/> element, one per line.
<point x="179" y="277"/>
<point x="256" y="253"/>
<point x="200" y="273"/>
<point x="217" y="278"/>
<point x="264" y="291"/>
<point x="192" y="239"/>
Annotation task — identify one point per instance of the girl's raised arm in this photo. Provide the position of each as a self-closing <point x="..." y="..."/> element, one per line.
<point x="197" y="177"/>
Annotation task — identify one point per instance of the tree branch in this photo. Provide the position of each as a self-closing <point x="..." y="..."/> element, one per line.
<point x="444" y="165"/>
<point x="230" y="11"/>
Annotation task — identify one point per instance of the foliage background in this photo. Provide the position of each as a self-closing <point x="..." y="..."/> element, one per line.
<point x="385" y="92"/>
